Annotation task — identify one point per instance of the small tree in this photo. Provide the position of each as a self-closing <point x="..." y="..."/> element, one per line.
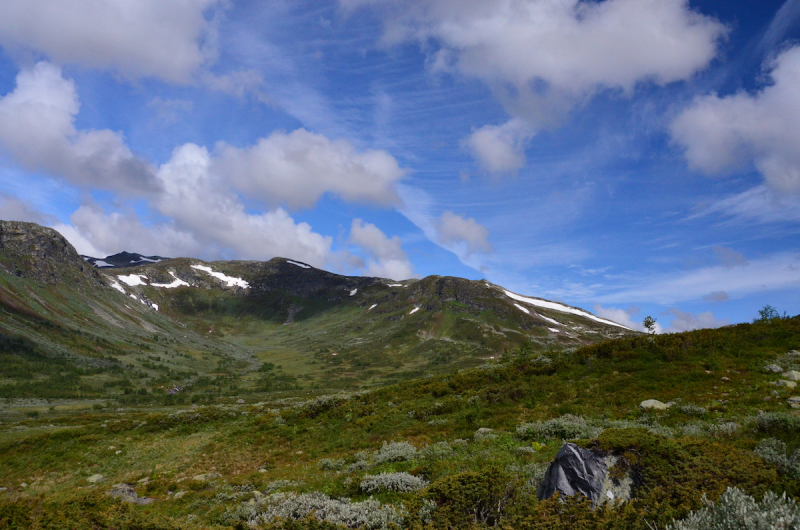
<point x="767" y="314"/>
<point x="650" y="324"/>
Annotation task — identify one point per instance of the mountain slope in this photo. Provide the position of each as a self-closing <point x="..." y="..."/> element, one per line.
<point x="244" y="326"/>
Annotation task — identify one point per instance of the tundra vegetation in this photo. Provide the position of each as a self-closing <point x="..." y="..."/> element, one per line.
<point x="462" y="449"/>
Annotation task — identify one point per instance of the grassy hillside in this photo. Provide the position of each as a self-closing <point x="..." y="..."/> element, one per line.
<point x="463" y="448"/>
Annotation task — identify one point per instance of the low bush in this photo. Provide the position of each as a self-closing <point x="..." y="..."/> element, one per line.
<point x="565" y="427"/>
<point x="401" y="482"/>
<point x="395" y="452"/>
<point x="736" y="509"/>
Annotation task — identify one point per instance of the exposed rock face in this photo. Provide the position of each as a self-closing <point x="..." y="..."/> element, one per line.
<point x="582" y="471"/>
<point x="126" y="493"/>
<point x="42" y="254"/>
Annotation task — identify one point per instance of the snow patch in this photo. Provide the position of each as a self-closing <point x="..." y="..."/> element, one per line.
<point x="148" y="259"/>
<point x="177" y="283"/>
<point x="395" y="285"/>
<point x="101" y="263"/>
<point x="549" y="319"/>
<point x="303" y="265"/>
<point x="154" y="305"/>
<point x="414" y="311"/>
<point x="554" y="330"/>
<point x="229" y="280"/>
<point x="522" y="308"/>
<point x="118" y="287"/>
<point x="353" y="292"/>
<point x="133" y="280"/>
<point x="373" y="306"/>
<point x="561" y="308"/>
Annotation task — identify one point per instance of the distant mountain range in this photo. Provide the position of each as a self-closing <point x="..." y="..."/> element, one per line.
<point x="203" y="319"/>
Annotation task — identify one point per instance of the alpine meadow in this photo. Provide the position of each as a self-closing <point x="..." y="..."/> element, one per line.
<point x="399" y="265"/>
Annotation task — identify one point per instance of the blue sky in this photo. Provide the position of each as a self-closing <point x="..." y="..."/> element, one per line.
<point x="630" y="157"/>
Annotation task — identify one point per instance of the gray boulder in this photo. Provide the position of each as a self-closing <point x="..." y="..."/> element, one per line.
<point x="575" y="470"/>
<point x="773" y="368"/>
<point x="654" y="404"/>
<point x="792" y="375"/>
<point x="578" y="470"/>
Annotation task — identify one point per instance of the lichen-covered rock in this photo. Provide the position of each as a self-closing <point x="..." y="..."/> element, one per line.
<point x="792" y="375"/>
<point x="654" y="404"/>
<point x="94" y="479"/>
<point x="773" y="368"/>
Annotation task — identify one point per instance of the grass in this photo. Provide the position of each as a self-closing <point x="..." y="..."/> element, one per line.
<point x="277" y="444"/>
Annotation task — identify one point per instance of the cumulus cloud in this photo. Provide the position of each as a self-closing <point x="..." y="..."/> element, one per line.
<point x="162" y="38"/>
<point x="297" y="168"/>
<point x="387" y="259"/>
<point x="455" y="230"/>
<point x="37" y="129"/>
<point x="685" y="321"/>
<point x="541" y="57"/>
<point x="726" y="134"/>
<point x="500" y="148"/>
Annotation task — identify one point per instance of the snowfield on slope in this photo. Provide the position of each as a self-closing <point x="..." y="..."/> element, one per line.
<point x="133" y="279"/>
<point x="231" y="281"/>
<point x="561" y="308"/>
<point x="177" y="283"/>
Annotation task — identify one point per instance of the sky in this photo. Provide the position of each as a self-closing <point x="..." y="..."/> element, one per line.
<point x="629" y="157"/>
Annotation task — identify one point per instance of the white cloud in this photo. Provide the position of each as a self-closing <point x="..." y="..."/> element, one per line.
<point x="624" y="317"/>
<point x="684" y="321"/>
<point x="299" y="167"/>
<point x="13" y="209"/>
<point x="729" y="257"/>
<point x="775" y="272"/>
<point x="37" y="129"/>
<point x="760" y="204"/>
<point x="162" y="38"/>
<point x="543" y="56"/>
<point x="455" y="230"/>
<point x="725" y="134"/>
<point x="387" y="259"/>
<point x="500" y="148"/>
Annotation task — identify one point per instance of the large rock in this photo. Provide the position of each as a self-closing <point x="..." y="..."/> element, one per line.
<point x="94" y="479"/>
<point x="792" y="375"/>
<point x="582" y="471"/>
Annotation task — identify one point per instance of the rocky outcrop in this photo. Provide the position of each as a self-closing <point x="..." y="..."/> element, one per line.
<point x="577" y="470"/>
<point x="35" y="252"/>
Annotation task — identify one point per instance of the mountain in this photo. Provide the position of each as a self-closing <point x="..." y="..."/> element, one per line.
<point x="122" y="260"/>
<point x="176" y="321"/>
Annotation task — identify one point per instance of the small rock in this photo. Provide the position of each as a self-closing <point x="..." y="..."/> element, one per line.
<point x="144" y="480"/>
<point x="257" y="494"/>
<point x="205" y="477"/>
<point x="262" y="470"/>
<point x="773" y="368"/>
<point x="726" y="378"/>
<point x="653" y="404"/>
<point x="792" y="375"/>
<point x="179" y="494"/>
<point x="786" y="383"/>
<point x="300" y="452"/>
<point x="23" y="485"/>
<point x="240" y="401"/>
<point x="794" y="399"/>
<point x="118" y="452"/>
<point x="126" y="493"/>
<point x="111" y="447"/>
<point x="3" y="489"/>
<point x="94" y="479"/>
<point x="485" y="433"/>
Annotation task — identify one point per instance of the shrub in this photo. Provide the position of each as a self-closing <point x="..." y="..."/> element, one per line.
<point x="358" y="465"/>
<point x="693" y="410"/>
<point x="774" y="452"/>
<point x="735" y="509"/>
<point x="723" y="430"/>
<point x="777" y="421"/>
<point x="395" y="452"/>
<point x="471" y="497"/>
<point x="369" y="514"/>
<point x="398" y="482"/>
<point x="328" y="464"/>
<point x="565" y="427"/>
